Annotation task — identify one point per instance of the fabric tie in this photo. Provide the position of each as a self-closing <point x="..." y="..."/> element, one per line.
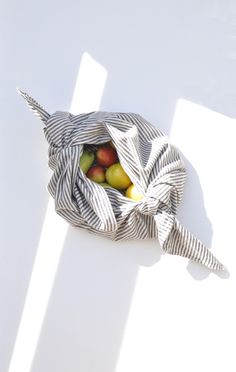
<point x="152" y="163"/>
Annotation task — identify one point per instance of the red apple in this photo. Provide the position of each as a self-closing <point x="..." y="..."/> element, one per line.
<point x="106" y="156"/>
<point x="96" y="174"/>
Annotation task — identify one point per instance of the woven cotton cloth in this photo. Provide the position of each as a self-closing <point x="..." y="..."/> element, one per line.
<point x="152" y="163"/>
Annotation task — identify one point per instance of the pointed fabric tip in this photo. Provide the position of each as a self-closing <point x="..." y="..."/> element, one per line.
<point x="34" y="106"/>
<point x="182" y="243"/>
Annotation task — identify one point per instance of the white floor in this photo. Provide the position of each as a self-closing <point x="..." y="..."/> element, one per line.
<point x="70" y="301"/>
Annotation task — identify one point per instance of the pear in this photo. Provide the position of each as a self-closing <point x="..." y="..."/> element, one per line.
<point x="86" y="160"/>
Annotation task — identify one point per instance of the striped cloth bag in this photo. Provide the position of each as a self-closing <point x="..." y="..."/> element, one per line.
<point x="152" y="163"/>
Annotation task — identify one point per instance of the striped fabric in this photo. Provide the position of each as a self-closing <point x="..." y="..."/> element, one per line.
<point x="151" y="162"/>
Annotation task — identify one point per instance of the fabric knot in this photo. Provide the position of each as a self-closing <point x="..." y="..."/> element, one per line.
<point x="160" y="207"/>
<point x="148" y="205"/>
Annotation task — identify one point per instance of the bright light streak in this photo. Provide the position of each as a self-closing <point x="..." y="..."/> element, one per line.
<point x="41" y="282"/>
<point x="89" y="86"/>
<point x="199" y="131"/>
<point x="192" y="120"/>
<point x="87" y="97"/>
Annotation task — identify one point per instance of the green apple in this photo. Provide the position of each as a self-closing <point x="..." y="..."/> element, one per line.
<point x="86" y="160"/>
<point x="105" y="185"/>
<point x="117" y="178"/>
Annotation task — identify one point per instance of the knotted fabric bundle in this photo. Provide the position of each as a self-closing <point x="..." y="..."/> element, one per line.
<point x="152" y="163"/>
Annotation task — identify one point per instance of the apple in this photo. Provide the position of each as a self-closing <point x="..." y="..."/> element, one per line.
<point x="106" y="156"/>
<point x="86" y="160"/>
<point x="133" y="193"/>
<point x="116" y="177"/>
<point x="105" y="185"/>
<point x="96" y="174"/>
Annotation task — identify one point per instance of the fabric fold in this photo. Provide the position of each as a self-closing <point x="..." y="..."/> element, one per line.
<point x="182" y="243"/>
<point x="35" y="107"/>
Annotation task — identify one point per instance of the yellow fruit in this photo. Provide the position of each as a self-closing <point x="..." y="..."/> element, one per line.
<point x="116" y="177"/>
<point x="133" y="193"/>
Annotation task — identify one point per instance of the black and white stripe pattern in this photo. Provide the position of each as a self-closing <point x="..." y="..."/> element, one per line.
<point x="151" y="162"/>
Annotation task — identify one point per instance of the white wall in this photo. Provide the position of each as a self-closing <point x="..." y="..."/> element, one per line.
<point x="81" y="303"/>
